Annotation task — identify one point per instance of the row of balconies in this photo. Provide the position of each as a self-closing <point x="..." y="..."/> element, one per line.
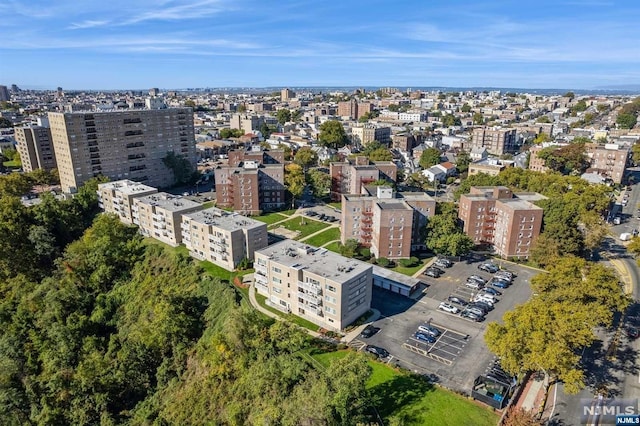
<point x="314" y="289"/>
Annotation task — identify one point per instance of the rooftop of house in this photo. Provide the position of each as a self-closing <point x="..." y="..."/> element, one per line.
<point x="222" y="219"/>
<point x="319" y="261"/>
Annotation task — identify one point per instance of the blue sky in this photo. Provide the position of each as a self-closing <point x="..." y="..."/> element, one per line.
<point x="137" y="44"/>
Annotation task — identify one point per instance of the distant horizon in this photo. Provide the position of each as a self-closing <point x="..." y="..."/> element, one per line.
<point x="586" y="44"/>
<point x="622" y="91"/>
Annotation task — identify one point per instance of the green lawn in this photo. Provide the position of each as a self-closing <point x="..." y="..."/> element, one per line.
<point x="270" y="218"/>
<point x="412" y="270"/>
<point x="408" y="399"/>
<point x="15" y="164"/>
<point x="335" y="205"/>
<point x="324" y="237"/>
<point x="289" y="317"/>
<point x="208" y="204"/>
<point x="304" y="225"/>
<point x="334" y="247"/>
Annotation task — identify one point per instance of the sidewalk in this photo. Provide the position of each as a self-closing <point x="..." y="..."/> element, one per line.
<point x="533" y="398"/>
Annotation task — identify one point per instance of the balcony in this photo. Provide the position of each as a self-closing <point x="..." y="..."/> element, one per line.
<point x="313" y="289"/>
<point x="309" y="298"/>
<point x="368" y="213"/>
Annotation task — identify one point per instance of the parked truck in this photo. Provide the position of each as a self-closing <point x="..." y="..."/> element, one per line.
<point x="625" y="236"/>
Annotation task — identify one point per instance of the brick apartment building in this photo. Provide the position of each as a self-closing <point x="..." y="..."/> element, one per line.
<point x="160" y="216"/>
<point x="364" y="134"/>
<point x="354" y="109"/>
<point x="256" y="154"/>
<point x="391" y="224"/>
<point x="222" y="238"/>
<point x="117" y="197"/>
<point x="323" y="287"/>
<point x="35" y="147"/>
<point x="496" y="140"/>
<point x="608" y="160"/>
<point x="349" y="177"/>
<point x="251" y="188"/>
<point x="127" y="144"/>
<point x="536" y="163"/>
<point x="496" y="216"/>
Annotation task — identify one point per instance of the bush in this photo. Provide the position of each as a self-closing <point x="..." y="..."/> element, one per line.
<point x="365" y="252"/>
<point x="383" y="261"/>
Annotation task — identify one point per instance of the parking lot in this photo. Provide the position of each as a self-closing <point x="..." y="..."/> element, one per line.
<point x="459" y="353"/>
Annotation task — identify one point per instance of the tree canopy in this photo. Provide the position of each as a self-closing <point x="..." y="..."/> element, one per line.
<point x="306" y="157"/>
<point x="319" y="182"/>
<point x="332" y="134"/>
<point x="444" y="236"/>
<point x="430" y="157"/>
<point x="283" y="115"/>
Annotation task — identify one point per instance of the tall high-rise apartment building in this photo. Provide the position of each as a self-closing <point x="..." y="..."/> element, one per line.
<point x="35" y="147"/>
<point x="127" y="144"/>
<point x="4" y="94"/>
<point x="286" y="94"/>
<point x="354" y="109"/>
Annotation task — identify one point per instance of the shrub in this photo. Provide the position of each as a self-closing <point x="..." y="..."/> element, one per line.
<point x="383" y="261"/>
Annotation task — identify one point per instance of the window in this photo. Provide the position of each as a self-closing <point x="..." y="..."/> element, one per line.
<point x="276" y="270"/>
<point x="276" y="280"/>
<point x="330" y="288"/>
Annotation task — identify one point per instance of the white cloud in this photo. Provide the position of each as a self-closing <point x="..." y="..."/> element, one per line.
<point x="87" y="24"/>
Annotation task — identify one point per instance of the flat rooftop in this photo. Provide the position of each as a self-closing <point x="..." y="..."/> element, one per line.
<point x="518" y="204"/>
<point x="169" y="202"/>
<point x="393" y="205"/>
<point x="319" y="261"/>
<point x="223" y="219"/>
<point x="530" y="196"/>
<point x="127" y="187"/>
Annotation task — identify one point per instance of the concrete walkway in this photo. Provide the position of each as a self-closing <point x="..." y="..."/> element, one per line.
<point x="353" y="334"/>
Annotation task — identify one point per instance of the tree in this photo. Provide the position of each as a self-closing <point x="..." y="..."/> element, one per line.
<point x="462" y="161"/>
<point x="519" y="417"/>
<point x="566" y="159"/>
<point x="294" y="180"/>
<point x="180" y="166"/>
<point x="547" y="332"/>
<point x="626" y="120"/>
<point x="580" y="106"/>
<point x="332" y="134"/>
<point x="265" y="130"/>
<point x="230" y="133"/>
<point x="283" y="115"/>
<point x="465" y="108"/>
<point x="5" y="123"/>
<point x="430" y="157"/>
<point x="242" y="108"/>
<point x="478" y="118"/>
<point x="569" y="95"/>
<point x="451" y="120"/>
<point x="543" y="119"/>
<point x="349" y="248"/>
<point x="320" y="182"/>
<point x="306" y="157"/>
<point x="189" y="103"/>
<point x="380" y="154"/>
<point x="443" y="234"/>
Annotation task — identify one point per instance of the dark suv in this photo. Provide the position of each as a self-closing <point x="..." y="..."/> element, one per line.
<point x="377" y="351"/>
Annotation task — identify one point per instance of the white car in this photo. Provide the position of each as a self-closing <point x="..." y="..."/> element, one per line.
<point x="447" y="307"/>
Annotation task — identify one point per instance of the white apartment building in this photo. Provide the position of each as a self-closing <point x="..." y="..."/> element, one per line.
<point x="221" y="237"/>
<point x="159" y="216"/>
<point x="323" y="287"/>
<point x="117" y="197"/>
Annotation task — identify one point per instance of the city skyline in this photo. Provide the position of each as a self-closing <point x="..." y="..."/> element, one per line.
<point x="219" y="43"/>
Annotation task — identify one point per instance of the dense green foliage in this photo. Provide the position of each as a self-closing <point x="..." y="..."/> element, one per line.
<point x="430" y="157"/>
<point x="332" y="134"/>
<point x="182" y="170"/>
<point x="548" y="332"/>
<point x="567" y="159"/>
<point x="121" y="332"/>
<point x="319" y="182"/>
<point x="231" y="133"/>
<point x="444" y="236"/>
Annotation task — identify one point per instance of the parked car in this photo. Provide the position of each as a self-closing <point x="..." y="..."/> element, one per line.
<point x="369" y="331"/>
<point x="499" y="283"/>
<point x="429" y="330"/>
<point x="377" y="351"/>
<point x="321" y="216"/>
<point x="473" y="284"/>
<point x="477" y="278"/>
<point x="488" y="267"/>
<point x="492" y="291"/>
<point x="483" y="305"/>
<point x="472" y="315"/>
<point x="457" y="300"/>
<point x="425" y="337"/>
<point x="432" y="273"/>
<point x="447" y="307"/>
<point x="632" y="332"/>
<point x="331" y="219"/>
<point x="483" y="298"/>
<point x="443" y="263"/>
<point x="504" y="274"/>
<point x="476" y="310"/>
<point x="311" y="213"/>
